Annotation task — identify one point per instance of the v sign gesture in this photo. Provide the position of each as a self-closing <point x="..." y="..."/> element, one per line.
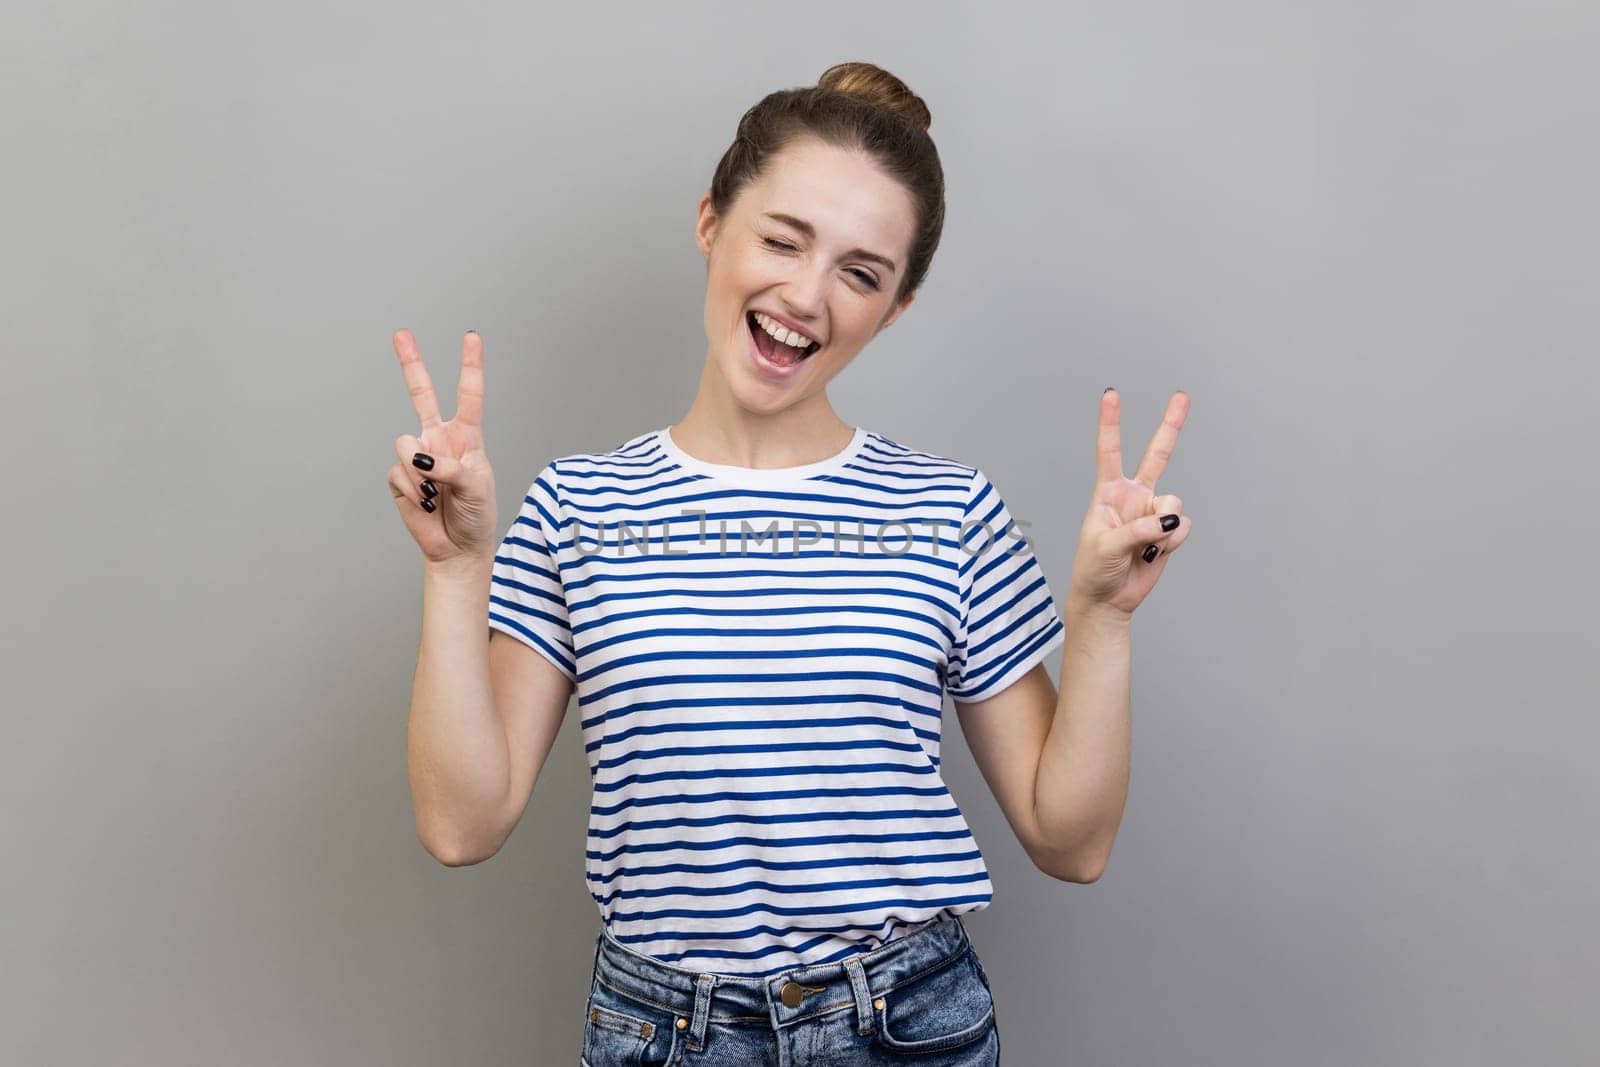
<point x="1130" y="532"/>
<point x="443" y="484"/>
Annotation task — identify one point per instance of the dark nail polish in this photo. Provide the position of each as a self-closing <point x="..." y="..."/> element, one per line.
<point x="1107" y="389"/>
<point x="428" y="505"/>
<point x="429" y="489"/>
<point x="1169" y="522"/>
<point x="472" y="331"/>
<point x="1150" y="552"/>
<point x="422" y="461"/>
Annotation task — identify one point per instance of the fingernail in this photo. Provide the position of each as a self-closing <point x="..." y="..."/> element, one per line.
<point x="472" y="331"/>
<point x="1168" y="522"/>
<point x="1107" y="389"/>
<point x="431" y="490"/>
<point x="428" y="505"/>
<point x="422" y="461"/>
<point x="1150" y="552"/>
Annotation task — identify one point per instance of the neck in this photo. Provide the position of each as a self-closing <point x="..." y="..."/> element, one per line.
<point x="718" y="429"/>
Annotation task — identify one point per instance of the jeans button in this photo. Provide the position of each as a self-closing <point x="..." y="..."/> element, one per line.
<point x="792" y="994"/>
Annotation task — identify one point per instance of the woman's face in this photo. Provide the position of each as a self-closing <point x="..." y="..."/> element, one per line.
<point x="820" y="242"/>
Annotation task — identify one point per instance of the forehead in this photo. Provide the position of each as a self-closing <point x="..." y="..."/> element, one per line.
<point x="845" y="195"/>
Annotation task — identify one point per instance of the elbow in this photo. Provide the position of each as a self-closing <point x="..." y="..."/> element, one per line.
<point x="451" y="850"/>
<point x="1090" y="875"/>
<point x="1078" y="876"/>
<point x="1081" y="869"/>
<point x="456" y="857"/>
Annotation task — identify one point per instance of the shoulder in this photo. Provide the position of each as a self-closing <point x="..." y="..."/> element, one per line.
<point x="627" y="459"/>
<point x="641" y="446"/>
<point x="881" y="452"/>
<point x="958" y="481"/>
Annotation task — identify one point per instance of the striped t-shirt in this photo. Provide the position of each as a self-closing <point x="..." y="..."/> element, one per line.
<point x="759" y="658"/>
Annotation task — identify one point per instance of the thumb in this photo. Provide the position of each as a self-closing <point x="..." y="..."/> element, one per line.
<point x="1134" y="536"/>
<point x="443" y="468"/>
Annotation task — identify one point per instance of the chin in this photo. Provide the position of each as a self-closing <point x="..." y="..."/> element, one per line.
<point x="753" y="395"/>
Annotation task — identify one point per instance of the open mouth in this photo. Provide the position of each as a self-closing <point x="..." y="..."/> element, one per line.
<point x="774" y="350"/>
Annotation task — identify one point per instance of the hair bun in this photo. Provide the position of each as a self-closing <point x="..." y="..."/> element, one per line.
<point x="880" y="88"/>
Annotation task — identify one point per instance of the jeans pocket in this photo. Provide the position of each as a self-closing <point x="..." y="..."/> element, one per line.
<point x="944" y="1009"/>
<point x="623" y="1031"/>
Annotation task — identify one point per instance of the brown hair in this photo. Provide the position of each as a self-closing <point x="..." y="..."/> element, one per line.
<point x="855" y="106"/>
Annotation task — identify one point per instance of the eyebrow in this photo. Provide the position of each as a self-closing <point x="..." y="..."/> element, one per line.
<point x="806" y="228"/>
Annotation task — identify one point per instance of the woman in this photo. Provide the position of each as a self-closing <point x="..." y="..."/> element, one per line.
<point x="760" y="607"/>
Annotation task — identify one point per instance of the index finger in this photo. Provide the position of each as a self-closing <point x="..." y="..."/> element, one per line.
<point x="1108" y="442"/>
<point x="418" y="384"/>
<point x="1165" y="439"/>
<point x="469" y="387"/>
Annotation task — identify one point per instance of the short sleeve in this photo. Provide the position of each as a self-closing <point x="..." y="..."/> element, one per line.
<point x="526" y="597"/>
<point x="1008" y="620"/>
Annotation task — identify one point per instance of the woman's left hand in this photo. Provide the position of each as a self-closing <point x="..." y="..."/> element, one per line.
<point x="1114" y="568"/>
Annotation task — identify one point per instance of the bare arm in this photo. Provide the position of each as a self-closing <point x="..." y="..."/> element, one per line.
<point x="484" y="715"/>
<point x="1082" y="780"/>
<point x="1059" y="762"/>
<point x="483" y="712"/>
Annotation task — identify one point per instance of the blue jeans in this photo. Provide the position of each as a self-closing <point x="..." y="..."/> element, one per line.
<point x="920" y="999"/>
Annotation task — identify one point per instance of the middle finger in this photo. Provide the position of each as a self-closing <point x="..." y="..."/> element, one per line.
<point x="418" y="384"/>
<point x="1164" y="440"/>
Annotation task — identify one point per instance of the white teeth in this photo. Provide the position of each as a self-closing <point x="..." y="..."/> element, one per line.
<point x="782" y="333"/>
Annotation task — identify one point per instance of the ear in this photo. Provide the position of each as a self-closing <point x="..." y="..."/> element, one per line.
<point x="896" y="313"/>
<point x="705" y="227"/>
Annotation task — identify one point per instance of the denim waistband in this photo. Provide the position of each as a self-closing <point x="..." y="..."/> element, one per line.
<point x="702" y="997"/>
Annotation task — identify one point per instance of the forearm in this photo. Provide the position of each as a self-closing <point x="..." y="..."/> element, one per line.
<point x="457" y="758"/>
<point x="1082" y="783"/>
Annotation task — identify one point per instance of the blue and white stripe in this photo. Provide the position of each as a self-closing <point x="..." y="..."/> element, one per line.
<point x="763" y="730"/>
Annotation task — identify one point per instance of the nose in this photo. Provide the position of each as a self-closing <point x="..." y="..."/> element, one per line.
<point x="805" y="293"/>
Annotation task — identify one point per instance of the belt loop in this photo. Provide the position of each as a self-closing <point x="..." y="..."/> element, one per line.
<point x="863" y="995"/>
<point x="702" y="1012"/>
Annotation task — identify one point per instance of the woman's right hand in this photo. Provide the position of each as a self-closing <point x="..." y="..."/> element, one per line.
<point x="448" y="507"/>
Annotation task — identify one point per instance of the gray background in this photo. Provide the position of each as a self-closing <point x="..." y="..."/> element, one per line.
<point x="1362" y="819"/>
